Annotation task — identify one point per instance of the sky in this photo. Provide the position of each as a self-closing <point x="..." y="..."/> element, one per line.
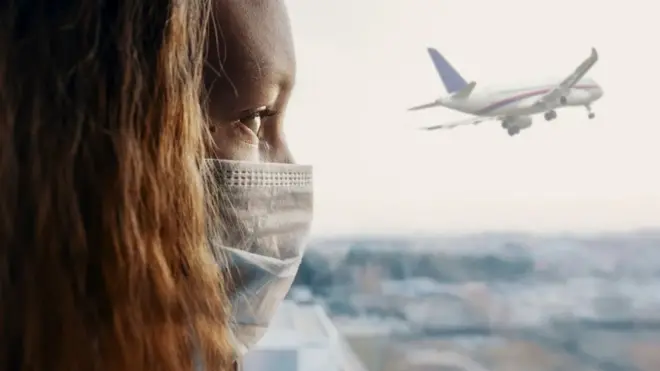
<point x="362" y="63"/>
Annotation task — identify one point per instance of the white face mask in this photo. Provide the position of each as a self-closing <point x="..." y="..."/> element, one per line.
<point x="266" y="209"/>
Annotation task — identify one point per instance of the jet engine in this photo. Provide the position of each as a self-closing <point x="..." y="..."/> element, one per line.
<point x="520" y="122"/>
<point x="514" y="125"/>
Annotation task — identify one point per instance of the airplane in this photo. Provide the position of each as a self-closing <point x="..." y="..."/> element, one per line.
<point x="513" y="106"/>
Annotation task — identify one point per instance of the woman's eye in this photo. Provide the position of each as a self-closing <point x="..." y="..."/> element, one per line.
<point x="254" y="119"/>
<point x="258" y="114"/>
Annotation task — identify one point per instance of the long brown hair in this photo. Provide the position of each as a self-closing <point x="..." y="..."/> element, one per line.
<point x="104" y="263"/>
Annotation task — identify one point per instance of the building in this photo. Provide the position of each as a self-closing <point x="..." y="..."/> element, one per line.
<point x="433" y="360"/>
<point x="373" y="340"/>
<point x="301" y="337"/>
<point x="415" y="287"/>
<point x="441" y="312"/>
<point x="368" y="278"/>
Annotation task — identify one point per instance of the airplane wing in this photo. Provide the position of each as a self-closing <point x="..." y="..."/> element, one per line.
<point x="553" y="96"/>
<point x="470" y="121"/>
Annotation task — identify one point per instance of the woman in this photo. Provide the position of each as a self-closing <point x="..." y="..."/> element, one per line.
<point x="249" y="75"/>
<point x="105" y="262"/>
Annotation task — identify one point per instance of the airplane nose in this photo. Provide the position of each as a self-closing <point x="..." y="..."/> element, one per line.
<point x="598" y="93"/>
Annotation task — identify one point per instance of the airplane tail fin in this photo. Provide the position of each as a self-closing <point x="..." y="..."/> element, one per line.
<point x="451" y="79"/>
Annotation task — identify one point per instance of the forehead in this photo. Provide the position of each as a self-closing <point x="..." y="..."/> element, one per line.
<point x="250" y="41"/>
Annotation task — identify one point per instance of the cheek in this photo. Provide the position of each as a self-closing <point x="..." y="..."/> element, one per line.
<point x="229" y="146"/>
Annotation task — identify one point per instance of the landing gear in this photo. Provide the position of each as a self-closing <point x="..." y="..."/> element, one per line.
<point x="591" y="115"/>
<point x="550" y="115"/>
<point x="513" y="131"/>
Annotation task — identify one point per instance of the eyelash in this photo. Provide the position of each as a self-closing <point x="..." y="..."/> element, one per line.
<point x="262" y="114"/>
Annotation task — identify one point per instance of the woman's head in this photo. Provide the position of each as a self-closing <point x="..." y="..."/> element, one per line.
<point x="103" y="255"/>
<point x="249" y="75"/>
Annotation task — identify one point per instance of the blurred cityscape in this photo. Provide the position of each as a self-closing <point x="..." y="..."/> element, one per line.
<point x="497" y="302"/>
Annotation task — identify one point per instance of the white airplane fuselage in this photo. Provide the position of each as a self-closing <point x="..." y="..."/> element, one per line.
<point x="512" y="106"/>
<point x="520" y="101"/>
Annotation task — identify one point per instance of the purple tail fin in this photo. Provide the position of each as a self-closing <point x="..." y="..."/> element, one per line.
<point x="451" y="79"/>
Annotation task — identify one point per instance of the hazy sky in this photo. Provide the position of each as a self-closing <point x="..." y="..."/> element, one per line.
<point x="362" y="63"/>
